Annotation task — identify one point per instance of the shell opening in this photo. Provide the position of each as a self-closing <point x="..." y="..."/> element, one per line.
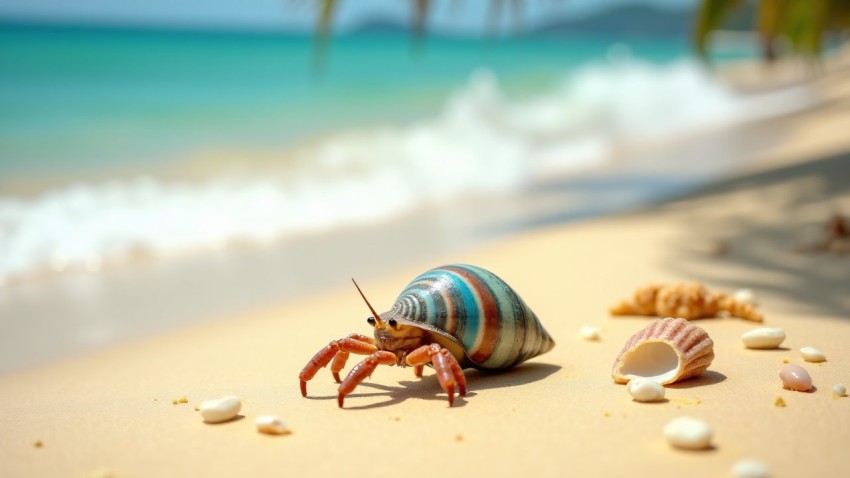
<point x="654" y="360"/>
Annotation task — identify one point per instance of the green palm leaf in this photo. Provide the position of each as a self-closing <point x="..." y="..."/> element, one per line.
<point x="803" y="23"/>
<point x="710" y="17"/>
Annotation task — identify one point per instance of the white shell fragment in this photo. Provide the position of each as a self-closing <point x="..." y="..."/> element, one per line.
<point x="666" y="351"/>
<point x="748" y="468"/>
<point x="272" y="425"/>
<point x="646" y="390"/>
<point x="590" y="333"/>
<point x="839" y="390"/>
<point x="745" y="296"/>
<point x="763" y="338"/>
<point x="220" y="409"/>
<point x="688" y="433"/>
<point x="811" y="354"/>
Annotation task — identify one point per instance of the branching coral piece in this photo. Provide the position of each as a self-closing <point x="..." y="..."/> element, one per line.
<point x="688" y="301"/>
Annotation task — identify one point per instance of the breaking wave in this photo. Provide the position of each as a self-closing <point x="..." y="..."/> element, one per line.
<point x="482" y="143"/>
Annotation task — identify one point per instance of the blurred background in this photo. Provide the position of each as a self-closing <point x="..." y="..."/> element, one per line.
<point x="164" y="163"/>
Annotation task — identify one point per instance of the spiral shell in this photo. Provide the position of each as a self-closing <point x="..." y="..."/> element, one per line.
<point x="667" y="350"/>
<point x="476" y="310"/>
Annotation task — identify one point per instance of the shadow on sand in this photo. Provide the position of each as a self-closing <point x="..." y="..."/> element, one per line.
<point x="764" y="250"/>
<point x="709" y="377"/>
<point x="428" y="388"/>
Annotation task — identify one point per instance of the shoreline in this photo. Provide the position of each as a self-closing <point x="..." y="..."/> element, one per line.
<point x="248" y="277"/>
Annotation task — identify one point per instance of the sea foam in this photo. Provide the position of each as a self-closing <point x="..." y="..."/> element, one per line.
<point x="482" y="143"/>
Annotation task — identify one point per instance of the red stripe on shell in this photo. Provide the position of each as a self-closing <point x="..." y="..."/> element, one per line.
<point x="488" y="333"/>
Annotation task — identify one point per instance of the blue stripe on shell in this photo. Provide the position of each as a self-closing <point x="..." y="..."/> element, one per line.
<point x="476" y="309"/>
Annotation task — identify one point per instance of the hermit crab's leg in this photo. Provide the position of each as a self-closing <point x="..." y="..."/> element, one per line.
<point x="339" y="363"/>
<point x="322" y="357"/>
<point x="457" y="372"/>
<point x="362" y="370"/>
<point x="342" y="356"/>
<point x="417" y="370"/>
<point x="445" y="364"/>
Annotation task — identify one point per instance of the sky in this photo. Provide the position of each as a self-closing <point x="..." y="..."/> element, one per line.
<point x="449" y="16"/>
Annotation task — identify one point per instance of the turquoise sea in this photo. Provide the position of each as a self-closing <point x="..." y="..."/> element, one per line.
<point x="75" y="98"/>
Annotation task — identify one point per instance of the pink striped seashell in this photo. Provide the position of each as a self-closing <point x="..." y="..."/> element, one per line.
<point x="667" y="350"/>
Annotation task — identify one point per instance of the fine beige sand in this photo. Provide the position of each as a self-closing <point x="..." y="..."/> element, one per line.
<point x="559" y="414"/>
<point x="111" y="414"/>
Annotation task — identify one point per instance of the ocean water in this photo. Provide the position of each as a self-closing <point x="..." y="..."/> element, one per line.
<point x="382" y="131"/>
<point x="74" y="98"/>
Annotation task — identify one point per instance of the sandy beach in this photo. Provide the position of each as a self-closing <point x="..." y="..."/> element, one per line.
<point x="110" y="413"/>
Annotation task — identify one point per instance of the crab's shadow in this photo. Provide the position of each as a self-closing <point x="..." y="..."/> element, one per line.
<point x="428" y="388"/>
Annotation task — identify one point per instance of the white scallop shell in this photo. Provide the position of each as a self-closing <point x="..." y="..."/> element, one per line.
<point x="667" y="351"/>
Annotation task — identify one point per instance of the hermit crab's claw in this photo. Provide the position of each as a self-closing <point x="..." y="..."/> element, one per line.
<point x="363" y="370"/>
<point x="353" y="344"/>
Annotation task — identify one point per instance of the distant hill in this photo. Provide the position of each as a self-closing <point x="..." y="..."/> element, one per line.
<point x="381" y="26"/>
<point x="625" y="20"/>
<point x="628" y="20"/>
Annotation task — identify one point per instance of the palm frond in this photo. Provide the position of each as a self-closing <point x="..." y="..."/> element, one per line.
<point x="710" y="16"/>
<point x="494" y="17"/>
<point x="420" y="17"/>
<point x="322" y="34"/>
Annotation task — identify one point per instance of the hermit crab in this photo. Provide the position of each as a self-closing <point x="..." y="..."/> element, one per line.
<point x="450" y="318"/>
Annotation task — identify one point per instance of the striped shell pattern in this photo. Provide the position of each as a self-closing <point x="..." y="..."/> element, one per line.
<point x="477" y="310"/>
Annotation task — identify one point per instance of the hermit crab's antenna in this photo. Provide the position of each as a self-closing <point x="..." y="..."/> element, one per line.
<point x="372" y="309"/>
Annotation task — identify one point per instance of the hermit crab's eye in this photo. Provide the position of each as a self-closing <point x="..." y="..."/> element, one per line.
<point x="371" y="321"/>
<point x="393" y="323"/>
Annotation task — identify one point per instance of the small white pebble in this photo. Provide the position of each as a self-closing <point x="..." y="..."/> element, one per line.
<point x="745" y="296"/>
<point x="590" y="333"/>
<point x="272" y="425"/>
<point x="646" y="390"/>
<point x="748" y="468"/>
<point x="839" y="390"/>
<point x="220" y="409"/>
<point x="763" y="338"/>
<point x="811" y="354"/>
<point x="688" y="433"/>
